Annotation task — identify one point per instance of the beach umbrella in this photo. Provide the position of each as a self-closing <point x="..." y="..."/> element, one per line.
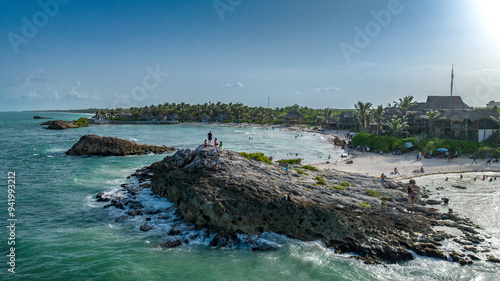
<point x="442" y="149"/>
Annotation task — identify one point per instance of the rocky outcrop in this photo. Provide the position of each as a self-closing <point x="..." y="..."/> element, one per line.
<point x="107" y="146"/>
<point x="60" y="125"/>
<point x="41" y="117"/>
<point x="231" y="195"/>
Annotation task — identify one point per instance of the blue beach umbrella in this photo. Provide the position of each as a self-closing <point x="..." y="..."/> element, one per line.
<point x="442" y="149"/>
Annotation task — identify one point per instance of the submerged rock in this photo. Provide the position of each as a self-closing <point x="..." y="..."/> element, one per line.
<point x="107" y="146"/>
<point x="146" y="227"/>
<point x="171" y="244"/>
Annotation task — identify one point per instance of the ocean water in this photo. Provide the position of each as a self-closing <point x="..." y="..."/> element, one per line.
<point x="62" y="233"/>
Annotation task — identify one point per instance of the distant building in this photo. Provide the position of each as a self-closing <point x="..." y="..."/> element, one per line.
<point x="220" y="118"/>
<point x="455" y="119"/>
<point x="100" y="119"/>
<point x="440" y="102"/>
<point x="190" y="118"/>
<point x="205" y="119"/>
<point x="293" y="117"/>
<point x="492" y="104"/>
<point x="345" y="120"/>
<point x="173" y="119"/>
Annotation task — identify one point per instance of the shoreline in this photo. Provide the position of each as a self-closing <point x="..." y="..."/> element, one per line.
<point x="374" y="164"/>
<point x="369" y="164"/>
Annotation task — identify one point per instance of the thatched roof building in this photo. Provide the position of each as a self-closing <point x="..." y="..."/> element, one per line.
<point x="293" y="117"/>
<point x="440" y="102"/>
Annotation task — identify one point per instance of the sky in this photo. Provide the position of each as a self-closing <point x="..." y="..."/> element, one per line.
<point x="75" y="54"/>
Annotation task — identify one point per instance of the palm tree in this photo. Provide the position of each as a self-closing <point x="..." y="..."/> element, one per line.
<point x="398" y="125"/>
<point x="364" y="114"/>
<point x="379" y="117"/>
<point x="431" y="115"/>
<point x="404" y="104"/>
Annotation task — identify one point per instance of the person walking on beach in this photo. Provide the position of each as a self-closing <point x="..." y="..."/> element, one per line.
<point x="209" y="137"/>
<point x="474" y="159"/>
<point x="488" y="162"/>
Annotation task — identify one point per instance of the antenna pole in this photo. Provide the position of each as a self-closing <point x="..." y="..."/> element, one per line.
<point x="452" y="76"/>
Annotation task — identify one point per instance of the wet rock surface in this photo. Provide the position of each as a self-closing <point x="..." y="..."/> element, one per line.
<point x="230" y="202"/>
<point x="108" y="146"/>
<point x="59" y="125"/>
<point x="229" y="194"/>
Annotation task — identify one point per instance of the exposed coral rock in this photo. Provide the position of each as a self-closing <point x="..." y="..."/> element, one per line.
<point x="229" y="194"/>
<point x="107" y="146"/>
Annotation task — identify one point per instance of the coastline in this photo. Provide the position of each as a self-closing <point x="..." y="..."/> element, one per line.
<point x="374" y="164"/>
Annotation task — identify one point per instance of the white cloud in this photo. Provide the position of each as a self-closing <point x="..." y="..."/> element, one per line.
<point x="234" y="85"/>
<point x="328" y="89"/>
<point x="73" y="93"/>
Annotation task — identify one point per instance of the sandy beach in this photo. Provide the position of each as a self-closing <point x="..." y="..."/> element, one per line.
<point x="374" y="164"/>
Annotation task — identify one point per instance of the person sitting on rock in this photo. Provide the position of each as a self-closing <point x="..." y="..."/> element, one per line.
<point x="422" y="169"/>
<point x="289" y="198"/>
<point x="396" y="172"/>
<point x="205" y="144"/>
<point x="215" y="142"/>
<point x="382" y="178"/>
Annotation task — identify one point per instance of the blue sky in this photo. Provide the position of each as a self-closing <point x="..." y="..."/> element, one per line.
<point x="66" y="54"/>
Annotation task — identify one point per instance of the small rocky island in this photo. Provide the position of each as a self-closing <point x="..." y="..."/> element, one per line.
<point x="60" y="125"/>
<point x="110" y="146"/>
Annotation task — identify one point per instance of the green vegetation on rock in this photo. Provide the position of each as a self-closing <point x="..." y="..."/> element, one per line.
<point x="291" y="161"/>
<point x="346" y="184"/>
<point x="364" y="205"/>
<point x="308" y="167"/>
<point x="257" y="156"/>
<point x="320" y="180"/>
<point x="339" y="187"/>
<point x="372" y="193"/>
<point x="387" y="198"/>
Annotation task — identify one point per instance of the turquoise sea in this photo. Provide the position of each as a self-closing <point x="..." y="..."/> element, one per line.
<point x="62" y="233"/>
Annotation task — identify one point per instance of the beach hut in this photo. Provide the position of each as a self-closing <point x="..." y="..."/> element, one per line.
<point x="205" y="119"/>
<point x="293" y="117"/>
<point x="174" y="119"/>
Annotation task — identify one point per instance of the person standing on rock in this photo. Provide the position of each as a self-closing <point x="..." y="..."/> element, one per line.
<point x="287" y="168"/>
<point x="209" y="137"/>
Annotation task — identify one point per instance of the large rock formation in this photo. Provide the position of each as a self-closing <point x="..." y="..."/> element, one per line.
<point x="60" y="125"/>
<point x="230" y="194"/>
<point x="107" y="146"/>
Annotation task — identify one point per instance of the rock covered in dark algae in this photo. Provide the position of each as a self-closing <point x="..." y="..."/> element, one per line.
<point x="107" y="146"/>
<point x="229" y="194"/>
